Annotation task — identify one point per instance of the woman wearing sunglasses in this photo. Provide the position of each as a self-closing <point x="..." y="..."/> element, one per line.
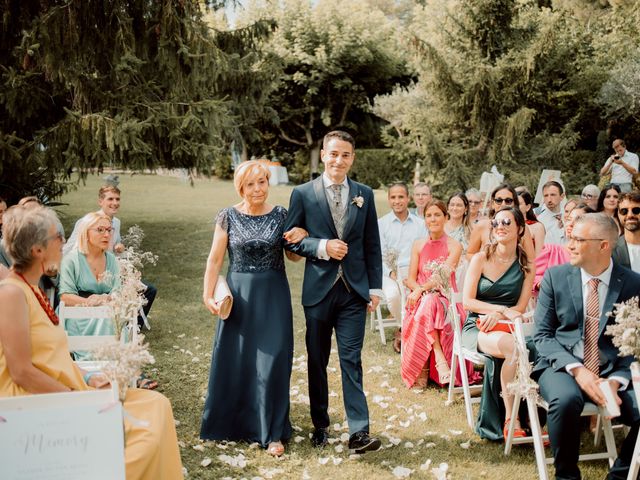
<point x="503" y="196"/>
<point x="497" y="290"/>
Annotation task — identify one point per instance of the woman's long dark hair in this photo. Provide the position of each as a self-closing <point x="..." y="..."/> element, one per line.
<point x="528" y="200"/>
<point x="502" y="186"/>
<point x="603" y="195"/>
<point x="523" y="260"/>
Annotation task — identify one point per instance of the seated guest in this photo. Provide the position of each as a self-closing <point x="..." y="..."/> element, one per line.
<point x="536" y="229"/>
<point x="89" y="273"/>
<point x="34" y="355"/>
<point x="590" y="195"/>
<point x="427" y="336"/>
<point x="574" y="352"/>
<point x="457" y="226"/>
<point x="569" y="205"/>
<point x="421" y="196"/>
<point x="497" y="289"/>
<point x="553" y="254"/>
<point x="627" y="250"/>
<point x="398" y="230"/>
<point x="109" y="203"/>
<point x="552" y="214"/>
<point x="503" y="196"/>
<point x="608" y="203"/>
<point x="475" y="201"/>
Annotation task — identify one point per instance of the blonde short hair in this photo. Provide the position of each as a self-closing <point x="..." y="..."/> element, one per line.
<point x="107" y="188"/>
<point x="88" y="221"/>
<point x="24" y="228"/>
<point x="248" y="170"/>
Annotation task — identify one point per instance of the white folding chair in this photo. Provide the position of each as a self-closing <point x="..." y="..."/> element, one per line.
<point x="459" y="356"/>
<point x="68" y="435"/>
<point x="634" y="469"/>
<point x="84" y="342"/>
<point x="378" y="322"/>
<point x="521" y="330"/>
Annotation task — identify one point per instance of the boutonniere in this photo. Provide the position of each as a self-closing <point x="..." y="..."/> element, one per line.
<point x="358" y="201"/>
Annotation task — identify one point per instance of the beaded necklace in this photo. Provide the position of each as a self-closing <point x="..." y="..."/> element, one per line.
<point x="42" y="300"/>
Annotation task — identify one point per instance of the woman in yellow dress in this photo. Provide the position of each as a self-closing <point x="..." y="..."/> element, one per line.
<point x="34" y="356"/>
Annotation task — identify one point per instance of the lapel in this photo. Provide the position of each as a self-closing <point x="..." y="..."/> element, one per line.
<point x="323" y="204"/>
<point x="615" y="287"/>
<point x="575" y="287"/>
<point x="624" y="253"/>
<point x="352" y="208"/>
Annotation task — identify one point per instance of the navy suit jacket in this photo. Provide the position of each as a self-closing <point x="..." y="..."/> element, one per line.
<point x="362" y="266"/>
<point x="621" y="253"/>
<point x="559" y="319"/>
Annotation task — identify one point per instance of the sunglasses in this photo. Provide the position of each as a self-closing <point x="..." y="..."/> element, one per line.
<point x="625" y="211"/>
<point x="505" y="222"/>
<point x="507" y="201"/>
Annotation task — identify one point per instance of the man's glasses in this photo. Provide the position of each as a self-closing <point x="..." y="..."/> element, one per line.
<point x="500" y="200"/>
<point x="625" y="211"/>
<point x="580" y="241"/>
<point x="587" y="196"/>
<point x="505" y="222"/>
<point x="474" y="202"/>
<point x="103" y="230"/>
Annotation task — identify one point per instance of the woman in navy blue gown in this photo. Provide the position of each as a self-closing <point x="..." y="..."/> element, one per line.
<point x="248" y="396"/>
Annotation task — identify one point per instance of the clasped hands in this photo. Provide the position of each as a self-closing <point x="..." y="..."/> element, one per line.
<point x="490" y="320"/>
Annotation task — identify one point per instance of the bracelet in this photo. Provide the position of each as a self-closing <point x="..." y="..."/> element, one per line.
<point x="87" y="376"/>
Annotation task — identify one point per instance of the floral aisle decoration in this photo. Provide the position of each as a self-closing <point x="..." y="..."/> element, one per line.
<point x="125" y="357"/>
<point x="625" y="333"/>
<point x="390" y="259"/>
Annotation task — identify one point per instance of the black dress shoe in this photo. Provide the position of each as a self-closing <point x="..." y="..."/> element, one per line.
<point x="320" y="437"/>
<point x="361" y="442"/>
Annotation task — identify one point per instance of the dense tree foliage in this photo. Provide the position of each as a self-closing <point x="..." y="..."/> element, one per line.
<point x="513" y="84"/>
<point x="85" y="84"/>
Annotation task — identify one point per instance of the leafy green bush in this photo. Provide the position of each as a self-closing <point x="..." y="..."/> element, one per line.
<point x="377" y="167"/>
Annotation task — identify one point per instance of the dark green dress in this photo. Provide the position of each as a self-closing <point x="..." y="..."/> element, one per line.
<point x="504" y="291"/>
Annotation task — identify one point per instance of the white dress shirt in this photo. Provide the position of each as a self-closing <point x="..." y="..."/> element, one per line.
<point x="634" y="256"/>
<point x="399" y="236"/>
<point x="603" y="289"/>
<point x="554" y="228"/>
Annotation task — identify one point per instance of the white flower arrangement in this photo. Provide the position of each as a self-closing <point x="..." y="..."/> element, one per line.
<point x="441" y="274"/>
<point x="358" y="201"/>
<point x="390" y="259"/>
<point x="626" y="330"/>
<point x="124" y="361"/>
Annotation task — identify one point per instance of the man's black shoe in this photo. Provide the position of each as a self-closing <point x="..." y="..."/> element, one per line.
<point x="361" y="442"/>
<point x="320" y="437"/>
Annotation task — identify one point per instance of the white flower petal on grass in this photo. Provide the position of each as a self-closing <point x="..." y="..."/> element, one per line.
<point x="206" y="462"/>
<point x="181" y="335"/>
<point x="466" y="445"/>
<point x="337" y="427"/>
<point x="336" y="460"/>
<point x="395" y="440"/>
<point x="401" y="472"/>
<point x="344" y="437"/>
<point x="446" y="437"/>
<point x="195" y="359"/>
<point x="296" y="428"/>
<point x="408" y="445"/>
<point x="422" y="416"/>
<point x="420" y="442"/>
<point x="392" y="418"/>
<point x="430" y="445"/>
<point x="333" y="394"/>
<point x="405" y="424"/>
<point x="323" y="460"/>
<point x="384" y="384"/>
<point x="198" y="447"/>
<point x="298" y="439"/>
<point x="425" y="466"/>
<point x="455" y="432"/>
<point x="269" y="472"/>
<point x="440" y="473"/>
<point x="305" y="475"/>
<point x="339" y="448"/>
<point x="331" y="441"/>
<point x="239" y="461"/>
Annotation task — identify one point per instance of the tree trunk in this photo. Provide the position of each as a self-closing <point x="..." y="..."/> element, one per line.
<point x="314" y="156"/>
<point x="245" y="153"/>
<point x="416" y="173"/>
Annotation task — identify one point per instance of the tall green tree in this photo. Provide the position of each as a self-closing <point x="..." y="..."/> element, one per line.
<point x="86" y="84"/>
<point x="333" y="61"/>
<point x="506" y="82"/>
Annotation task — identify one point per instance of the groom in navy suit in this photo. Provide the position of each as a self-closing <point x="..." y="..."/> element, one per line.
<point x="342" y="276"/>
<point x="575" y="353"/>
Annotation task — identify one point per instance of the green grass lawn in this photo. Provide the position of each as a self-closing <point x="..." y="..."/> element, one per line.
<point x="415" y="427"/>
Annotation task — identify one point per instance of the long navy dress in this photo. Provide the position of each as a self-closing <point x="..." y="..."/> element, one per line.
<point x="248" y="397"/>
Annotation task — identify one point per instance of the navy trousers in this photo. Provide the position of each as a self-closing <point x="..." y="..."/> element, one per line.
<point x="345" y="312"/>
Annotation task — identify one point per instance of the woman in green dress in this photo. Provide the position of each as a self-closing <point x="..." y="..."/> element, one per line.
<point x="89" y="273"/>
<point x="497" y="288"/>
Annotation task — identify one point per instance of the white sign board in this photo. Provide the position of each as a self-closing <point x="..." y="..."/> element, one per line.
<point x="62" y="442"/>
<point x="546" y="176"/>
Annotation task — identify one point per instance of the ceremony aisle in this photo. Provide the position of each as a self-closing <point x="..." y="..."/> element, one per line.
<point x="418" y="431"/>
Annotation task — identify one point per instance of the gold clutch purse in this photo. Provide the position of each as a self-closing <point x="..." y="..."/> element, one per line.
<point x="222" y="298"/>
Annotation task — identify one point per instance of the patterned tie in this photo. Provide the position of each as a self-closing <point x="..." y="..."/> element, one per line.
<point x="591" y="329"/>
<point x="558" y="218"/>
<point x="337" y="209"/>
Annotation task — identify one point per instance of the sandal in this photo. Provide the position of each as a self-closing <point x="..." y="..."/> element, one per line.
<point x="423" y="377"/>
<point x="146" y="383"/>
<point x="517" y="432"/>
<point x="275" y="449"/>
<point x="444" y="372"/>
<point x="397" y="340"/>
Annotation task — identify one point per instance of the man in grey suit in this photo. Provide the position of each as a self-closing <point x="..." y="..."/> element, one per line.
<point x="575" y="355"/>
<point x="627" y="251"/>
<point x="343" y="274"/>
